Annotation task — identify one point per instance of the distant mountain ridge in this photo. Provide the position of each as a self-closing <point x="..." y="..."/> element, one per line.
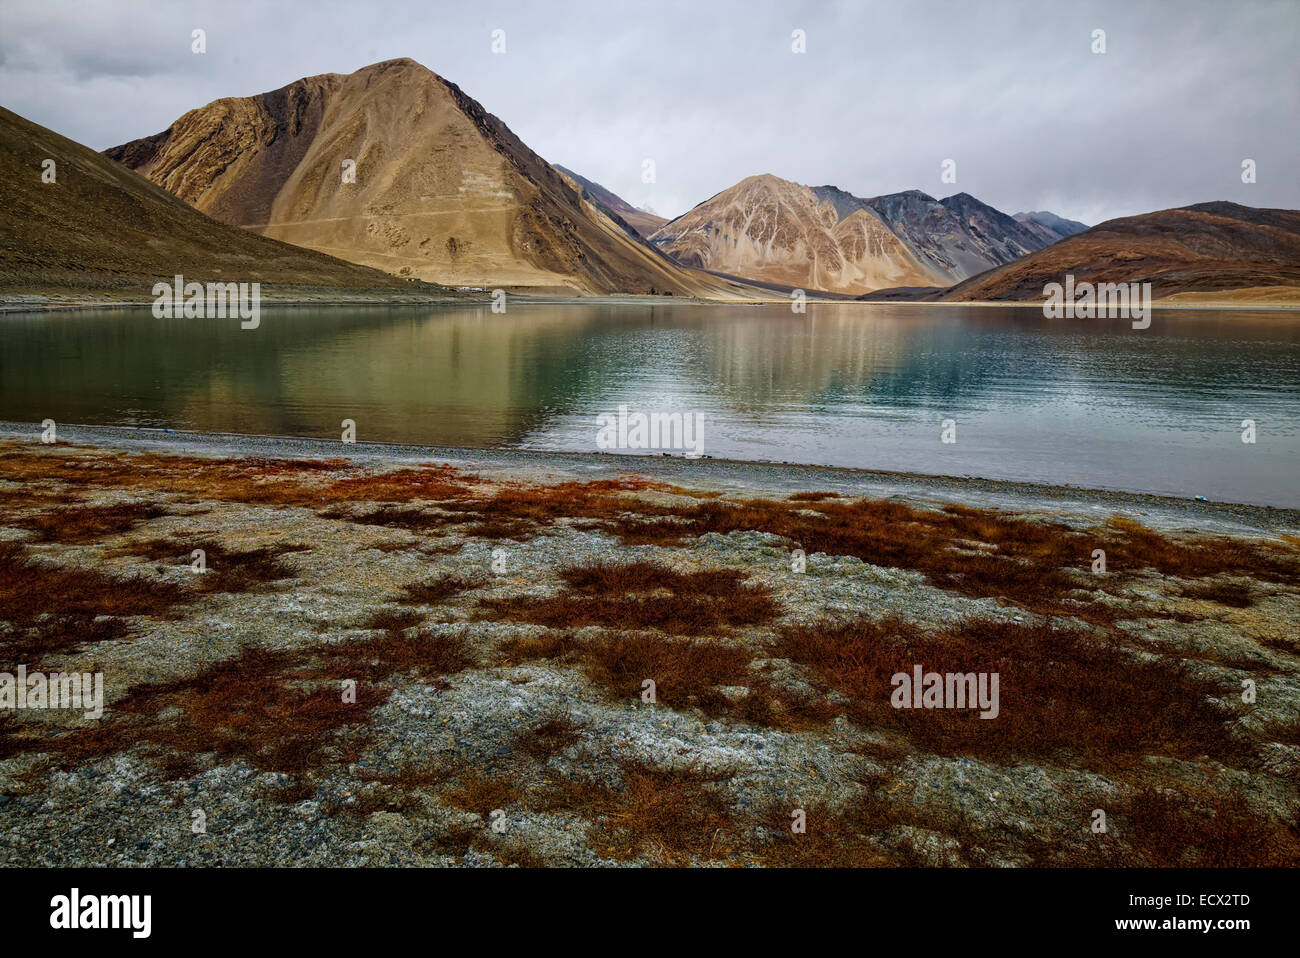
<point x="774" y="231"/>
<point x="958" y="235"/>
<point x="443" y="191"/>
<point x="770" y="229"/>
<point x="643" y="222"/>
<point x="1195" y="252"/>
<point x="1049" y="225"/>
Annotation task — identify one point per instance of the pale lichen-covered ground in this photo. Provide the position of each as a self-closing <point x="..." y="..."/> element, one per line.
<point x="498" y="619"/>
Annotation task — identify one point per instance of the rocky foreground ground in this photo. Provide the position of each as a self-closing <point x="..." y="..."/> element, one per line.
<point x="396" y="660"/>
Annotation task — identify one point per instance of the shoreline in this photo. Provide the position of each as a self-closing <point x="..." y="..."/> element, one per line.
<point x="726" y="475"/>
<point x="53" y="303"/>
<point x="40" y="303"/>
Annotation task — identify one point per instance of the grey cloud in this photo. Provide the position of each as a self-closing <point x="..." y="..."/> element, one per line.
<point x="712" y="92"/>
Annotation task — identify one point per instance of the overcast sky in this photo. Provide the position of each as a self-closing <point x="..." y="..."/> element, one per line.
<point x="712" y="92"/>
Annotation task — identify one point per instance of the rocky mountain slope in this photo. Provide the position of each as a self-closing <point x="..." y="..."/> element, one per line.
<point x="769" y="229"/>
<point x="99" y="227"/>
<point x="957" y="236"/>
<point x="443" y="190"/>
<point x="1207" y="250"/>
<point x="1049" y="226"/>
<point x="643" y="222"/>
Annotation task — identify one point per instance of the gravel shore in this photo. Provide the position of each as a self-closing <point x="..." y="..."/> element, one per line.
<point x="705" y="473"/>
<point x="498" y="613"/>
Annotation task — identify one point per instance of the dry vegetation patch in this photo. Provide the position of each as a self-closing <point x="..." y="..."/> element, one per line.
<point x="278" y="710"/>
<point x="658" y="816"/>
<point x="1233" y="593"/>
<point x="250" y="479"/>
<point x="1157" y="826"/>
<point x="1063" y="694"/>
<point x="644" y="595"/>
<point x="1043" y="566"/>
<point x="225" y="569"/>
<point x="548" y="739"/>
<point x="78" y="524"/>
<point x="246" y="707"/>
<point x="433" y="591"/>
<point x="50" y="610"/>
<point x="400" y="648"/>
<point x="482" y="794"/>
<point x="686" y="673"/>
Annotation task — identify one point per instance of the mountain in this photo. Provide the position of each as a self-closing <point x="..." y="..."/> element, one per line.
<point x="957" y="236"/>
<point x="101" y="228"/>
<point x="769" y="229"/>
<point x="1049" y="226"/>
<point x="1194" y="252"/>
<point x="642" y="222"/>
<point x="443" y="190"/>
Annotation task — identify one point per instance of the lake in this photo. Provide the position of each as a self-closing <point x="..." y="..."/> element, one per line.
<point x="1082" y="402"/>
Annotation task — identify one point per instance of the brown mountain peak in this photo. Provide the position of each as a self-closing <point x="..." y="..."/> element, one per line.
<point x="394" y="167"/>
<point x="1196" y="252"/>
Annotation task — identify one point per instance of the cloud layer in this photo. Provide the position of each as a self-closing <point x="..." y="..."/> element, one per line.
<point x="713" y="92"/>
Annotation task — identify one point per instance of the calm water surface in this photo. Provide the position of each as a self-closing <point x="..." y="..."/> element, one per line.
<point x="1086" y="402"/>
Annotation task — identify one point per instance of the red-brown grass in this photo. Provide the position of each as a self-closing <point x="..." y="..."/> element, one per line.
<point x="519" y="511"/>
<point x="644" y="595"/>
<point x="1286" y="731"/>
<point x="1179" y="827"/>
<point x="1234" y="594"/>
<point x="526" y="648"/>
<point x="411" y="519"/>
<point x="832" y="838"/>
<point x="76" y="524"/>
<point x="225" y="570"/>
<point x="399" y="649"/>
<point x="773" y="705"/>
<point x="685" y="672"/>
<point x="433" y="591"/>
<point x="1208" y="829"/>
<point x="482" y="794"/>
<point x="243" y="708"/>
<point x="53" y="610"/>
<point x="1286" y="644"/>
<point x="549" y="738"/>
<point x="433" y="482"/>
<point x="1062" y="692"/>
<point x="1039" y="565"/>
<point x="661" y="817"/>
<point x="1042" y="566"/>
<point x="278" y="710"/>
<point x="286" y="482"/>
